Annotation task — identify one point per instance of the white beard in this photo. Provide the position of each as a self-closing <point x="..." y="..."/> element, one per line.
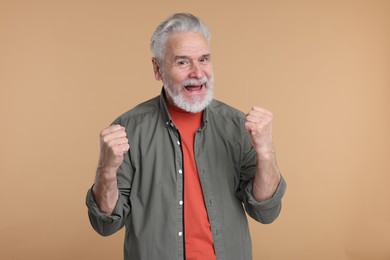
<point x="195" y="105"/>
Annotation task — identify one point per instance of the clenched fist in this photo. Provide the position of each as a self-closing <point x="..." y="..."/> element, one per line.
<point x="113" y="145"/>
<point x="259" y="125"/>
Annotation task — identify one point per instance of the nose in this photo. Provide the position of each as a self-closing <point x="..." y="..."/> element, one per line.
<point x="196" y="71"/>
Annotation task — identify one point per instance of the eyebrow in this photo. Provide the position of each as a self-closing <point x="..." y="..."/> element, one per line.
<point x="181" y="57"/>
<point x="184" y="57"/>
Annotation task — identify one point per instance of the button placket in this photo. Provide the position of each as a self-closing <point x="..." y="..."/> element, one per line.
<point x="179" y="201"/>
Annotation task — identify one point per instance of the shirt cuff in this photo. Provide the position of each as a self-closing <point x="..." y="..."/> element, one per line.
<point x="95" y="211"/>
<point x="269" y="203"/>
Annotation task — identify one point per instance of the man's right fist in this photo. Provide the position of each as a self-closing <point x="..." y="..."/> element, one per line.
<point x="113" y="145"/>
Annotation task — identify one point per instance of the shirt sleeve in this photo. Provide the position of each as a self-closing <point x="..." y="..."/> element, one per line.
<point x="268" y="210"/>
<point x="105" y="224"/>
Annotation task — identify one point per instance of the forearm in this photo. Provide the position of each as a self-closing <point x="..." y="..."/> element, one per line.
<point x="105" y="190"/>
<point x="267" y="177"/>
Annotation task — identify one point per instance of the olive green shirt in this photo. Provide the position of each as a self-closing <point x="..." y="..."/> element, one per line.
<point x="150" y="182"/>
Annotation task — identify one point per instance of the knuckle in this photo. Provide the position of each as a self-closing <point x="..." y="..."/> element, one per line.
<point x="116" y="150"/>
<point x="105" y="139"/>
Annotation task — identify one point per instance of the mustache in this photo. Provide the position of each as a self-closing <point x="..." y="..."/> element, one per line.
<point x="195" y="82"/>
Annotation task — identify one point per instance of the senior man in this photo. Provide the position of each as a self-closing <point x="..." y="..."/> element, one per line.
<point x="179" y="171"/>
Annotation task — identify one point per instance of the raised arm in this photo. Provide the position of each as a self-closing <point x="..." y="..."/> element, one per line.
<point x="113" y="145"/>
<point x="267" y="176"/>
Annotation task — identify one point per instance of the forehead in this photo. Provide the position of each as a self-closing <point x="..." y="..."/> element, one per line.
<point x="190" y="44"/>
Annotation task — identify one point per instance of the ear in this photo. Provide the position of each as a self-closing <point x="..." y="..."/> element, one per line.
<point x="156" y="69"/>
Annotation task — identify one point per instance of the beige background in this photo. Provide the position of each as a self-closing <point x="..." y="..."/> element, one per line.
<point x="68" y="68"/>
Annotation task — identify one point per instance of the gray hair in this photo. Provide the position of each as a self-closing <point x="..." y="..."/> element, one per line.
<point x="180" y="22"/>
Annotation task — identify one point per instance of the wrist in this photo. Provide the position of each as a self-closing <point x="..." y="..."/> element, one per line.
<point x="106" y="174"/>
<point x="265" y="153"/>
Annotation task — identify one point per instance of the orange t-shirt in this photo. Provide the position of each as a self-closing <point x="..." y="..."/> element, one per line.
<point x="197" y="232"/>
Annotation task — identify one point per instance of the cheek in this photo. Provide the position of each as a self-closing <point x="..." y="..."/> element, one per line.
<point x="208" y="71"/>
<point x="178" y="77"/>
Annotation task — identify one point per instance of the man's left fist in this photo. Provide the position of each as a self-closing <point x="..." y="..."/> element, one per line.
<point x="259" y="125"/>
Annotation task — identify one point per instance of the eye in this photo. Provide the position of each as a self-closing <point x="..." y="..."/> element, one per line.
<point x="205" y="59"/>
<point x="182" y="63"/>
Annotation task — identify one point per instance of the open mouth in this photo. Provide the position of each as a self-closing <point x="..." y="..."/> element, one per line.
<point x="194" y="87"/>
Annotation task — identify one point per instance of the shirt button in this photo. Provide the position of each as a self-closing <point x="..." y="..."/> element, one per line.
<point x="180" y="202"/>
<point x="180" y="234"/>
<point x="178" y="142"/>
<point x="180" y="171"/>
